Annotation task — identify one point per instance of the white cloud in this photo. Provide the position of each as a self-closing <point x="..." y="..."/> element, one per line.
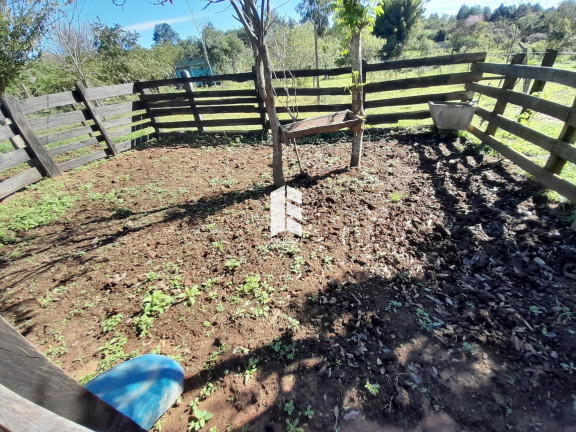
<point x="149" y="25"/>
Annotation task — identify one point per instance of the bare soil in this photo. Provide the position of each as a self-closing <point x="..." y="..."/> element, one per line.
<point x="433" y="290"/>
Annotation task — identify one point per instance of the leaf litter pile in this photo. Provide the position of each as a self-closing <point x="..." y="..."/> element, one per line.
<point x="433" y="289"/>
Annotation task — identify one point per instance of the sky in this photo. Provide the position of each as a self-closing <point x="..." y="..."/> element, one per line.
<point x="142" y="15"/>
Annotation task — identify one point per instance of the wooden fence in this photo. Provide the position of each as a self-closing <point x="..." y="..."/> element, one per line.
<point x="561" y="148"/>
<point x="94" y="121"/>
<point x="84" y="125"/>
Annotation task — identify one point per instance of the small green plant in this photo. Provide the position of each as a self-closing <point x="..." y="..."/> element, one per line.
<point x="535" y="310"/>
<point x="292" y="426"/>
<point x="198" y="417"/>
<point x="46" y="300"/>
<point x="426" y="321"/>
<point x="372" y="388"/>
<point x="297" y="263"/>
<point x="111" y="323"/>
<point x="568" y="367"/>
<point x="282" y="349"/>
<point x="154" y="305"/>
<point x="208" y="389"/>
<point x="309" y="412"/>
<point x="396" y="196"/>
<point x="190" y="295"/>
<point x="393" y="306"/>
<point x="289" y="407"/>
<point x="251" y="369"/>
<point x="232" y="264"/>
<point x="219" y="246"/>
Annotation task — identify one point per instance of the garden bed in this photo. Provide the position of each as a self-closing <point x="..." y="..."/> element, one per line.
<point x="433" y="289"/>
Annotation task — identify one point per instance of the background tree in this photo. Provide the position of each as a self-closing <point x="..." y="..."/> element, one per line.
<point x="318" y="13"/>
<point x="165" y="34"/>
<point x="113" y="44"/>
<point x="395" y="24"/>
<point x="356" y="16"/>
<point x="22" y="25"/>
<point x="71" y="46"/>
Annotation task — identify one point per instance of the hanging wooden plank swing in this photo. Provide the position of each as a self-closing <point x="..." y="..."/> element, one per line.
<point x="322" y="124"/>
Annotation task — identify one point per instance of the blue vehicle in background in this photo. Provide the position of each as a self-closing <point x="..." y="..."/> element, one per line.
<point x="195" y="67"/>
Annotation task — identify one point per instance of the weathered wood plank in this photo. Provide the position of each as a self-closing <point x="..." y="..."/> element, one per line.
<point x="6" y="132"/>
<point x="184" y="103"/>
<point x="559" y="76"/>
<point x="45" y="162"/>
<point x="555" y="163"/>
<point x="189" y="89"/>
<point x="223" y="109"/>
<point x="395" y="117"/>
<point x="125" y="120"/>
<point x="28" y="373"/>
<point x="428" y="81"/>
<point x="508" y="84"/>
<point x="238" y="77"/>
<point x="547" y="61"/>
<point x="144" y="93"/>
<point x="415" y="100"/>
<point x="120" y="132"/>
<point x="124" y="146"/>
<point x="321" y="124"/>
<point x="57" y="120"/>
<point x="97" y="121"/>
<point x="15" y="183"/>
<point x="544" y="176"/>
<point x="162" y="97"/>
<point x="45" y="102"/>
<point x="315" y="108"/>
<point x="228" y="133"/>
<point x="19" y="414"/>
<point x="13" y="158"/>
<point x="534" y="103"/>
<point x="110" y="91"/>
<point x="209" y="123"/>
<point x="83" y="160"/>
<point x="310" y="91"/>
<point x="560" y="148"/>
<point x="61" y="136"/>
<point x="117" y="109"/>
<point x="428" y="61"/>
<point x="72" y="146"/>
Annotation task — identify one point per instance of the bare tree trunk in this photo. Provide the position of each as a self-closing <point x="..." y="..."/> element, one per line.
<point x="357" y="95"/>
<point x="266" y="80"/>
<point x="317" y="60"/>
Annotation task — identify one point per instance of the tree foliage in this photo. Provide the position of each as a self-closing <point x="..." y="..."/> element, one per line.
<point x="22" y="24"/>
<point x="396" y="22"/>
<point x="165" y="34"/>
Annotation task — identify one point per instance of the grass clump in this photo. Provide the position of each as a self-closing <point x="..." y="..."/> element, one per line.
<point x="24" y="213"/>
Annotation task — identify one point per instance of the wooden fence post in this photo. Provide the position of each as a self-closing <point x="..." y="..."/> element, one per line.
<point x="46" y="164"/>
<point x="189" y="87"/>
<point x="261" y="106"/>
<point x="26" y="371"/>
<point x="555" y="163"/>
<point x="547" y="61"/>
<point x="99" y="124"/>
<point x="364" y="75"/>
<point x="153" y="119"/>
<point x="509" y="83"/>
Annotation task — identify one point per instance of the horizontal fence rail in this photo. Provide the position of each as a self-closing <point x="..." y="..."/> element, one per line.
<point x="55" y="133"/>
<point x="561" y="148"/>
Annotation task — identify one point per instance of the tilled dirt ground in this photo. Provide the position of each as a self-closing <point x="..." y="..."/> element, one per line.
<point x="433" y="289"/>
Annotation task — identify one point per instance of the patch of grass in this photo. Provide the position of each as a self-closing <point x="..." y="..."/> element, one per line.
<point x="396" y="196"/>
<point x="112" y="322"/>
<point x="154" y="305"/>
<point x="24" y="213"/>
